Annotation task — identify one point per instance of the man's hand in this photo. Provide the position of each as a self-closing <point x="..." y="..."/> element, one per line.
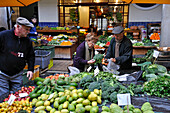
<point x="29" y="74"/>
<point x="113" y="60"/>
<point x="91" y="61"/>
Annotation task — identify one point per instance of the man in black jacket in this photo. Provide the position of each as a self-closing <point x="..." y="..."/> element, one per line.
<point x="15" y="51"/>
<point x="120" y="49"/>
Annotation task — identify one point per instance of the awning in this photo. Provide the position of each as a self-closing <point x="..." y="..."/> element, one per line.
<point x="16" y="3"/>
<point x="148" y="1"/>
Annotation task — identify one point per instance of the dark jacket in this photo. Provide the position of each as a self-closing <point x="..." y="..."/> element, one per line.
<point x="15" y="52"/>
<point x="32" y="33"/>
<point x="125" y="53"/>
<point x="79" y="60"/>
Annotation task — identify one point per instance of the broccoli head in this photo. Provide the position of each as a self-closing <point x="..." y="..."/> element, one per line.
<point x="105" y="85"/>
<point x="98" y="58"/>
<point x="87" y="79"/>
<point x="105" y="95"/>
<point x="113" y="97"/>
<point x="94" y="85"/>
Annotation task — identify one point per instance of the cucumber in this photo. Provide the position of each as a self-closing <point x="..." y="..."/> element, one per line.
<point x="59" y="89"/>
<point x="61" y="82"/>
<point x="34" y="95"/>
<point x="73" y="84"/>
<point x="39" y="83"/>
<point x="48" y="90"/>
<point x="40" y="91"/>
<point x="44" y="90"/>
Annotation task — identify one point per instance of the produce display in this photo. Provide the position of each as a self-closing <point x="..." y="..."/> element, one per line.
<point x="144" y="42"/>
<point x="86" y="93"/>
<point x="61" y="39"/>
<point x="153" y="71"/>
<point x="56" y="76"/>
<point x="158" y="87"/>
<point x="155" y="36"/>
<point x="148" y="57"/>
<point x="52" y="28"/>
<point x="104" y="40"/>
<point x="114" y="108"/>
<point x="27" y="90"/>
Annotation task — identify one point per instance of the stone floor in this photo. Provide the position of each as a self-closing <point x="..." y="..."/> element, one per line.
<point x="60" y="66"/>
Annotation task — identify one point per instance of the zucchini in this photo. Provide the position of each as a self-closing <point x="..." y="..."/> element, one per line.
<point x="73" y="84"/>
<point x="61" y="82"/>
<point x="39" y="83"/>
<point x="38" y="79"/>
<point x="59" y="89"/>
<point x="46" y="81"/>
<point x="48" y="90"/>
<point x="44" y="90"/>
<point x="40" y="91"/>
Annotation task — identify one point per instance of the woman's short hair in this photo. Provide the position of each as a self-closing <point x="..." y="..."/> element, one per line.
<point x="89" y="37"/>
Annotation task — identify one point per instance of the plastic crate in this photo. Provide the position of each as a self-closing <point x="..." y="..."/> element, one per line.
<point x="47" y="48"/>
<point x="42" y="58"/>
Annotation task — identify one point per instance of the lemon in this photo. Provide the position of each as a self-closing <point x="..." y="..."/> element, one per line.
<point x="74" y="96"/>
<point x="94" y="103"/>
<point x="86" y="102"/>
<point x="80" y="95"/>
<point x="80" y="91"/>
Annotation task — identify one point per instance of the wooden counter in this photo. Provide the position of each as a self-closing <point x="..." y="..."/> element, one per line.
<point x="142" y="50"/>
<point x="65" y="52"/>
<point x="57" y="31"/>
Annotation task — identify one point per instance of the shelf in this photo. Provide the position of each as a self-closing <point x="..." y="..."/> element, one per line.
<point x="60" y="31"/>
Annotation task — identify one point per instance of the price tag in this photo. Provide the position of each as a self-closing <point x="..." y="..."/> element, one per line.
<point x="23" y="95"/>
<point x="89" y="69"/>
<point x="51" y="96"/>
<point x="11" y="99"/>
<point x="165" y="48"/>
<point x="124" y="99"/>
<point x="155" y="54"/>
<point x="96" y="71"/>
<point x="121" y="78"/>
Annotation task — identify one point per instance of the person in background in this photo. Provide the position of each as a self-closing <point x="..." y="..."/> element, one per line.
<point x="120" y="49"/>
<point x="15" y="51"/>
<point x="33" y="33"/>
<point x="84" y="53"/>
<point x="2" y="29"/>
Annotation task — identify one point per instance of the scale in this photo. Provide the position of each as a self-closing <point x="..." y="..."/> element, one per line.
<point x="164" y="59"/>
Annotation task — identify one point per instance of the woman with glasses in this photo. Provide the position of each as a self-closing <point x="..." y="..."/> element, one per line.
<point x="84" y="53"/>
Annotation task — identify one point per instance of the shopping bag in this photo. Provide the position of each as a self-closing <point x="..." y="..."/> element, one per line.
<point x="73" y="70"/>
<point x="111" y="65"/>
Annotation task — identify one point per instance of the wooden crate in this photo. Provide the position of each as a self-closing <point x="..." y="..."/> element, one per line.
<point x="65" y="52"/>
<point x="36" y="71"/>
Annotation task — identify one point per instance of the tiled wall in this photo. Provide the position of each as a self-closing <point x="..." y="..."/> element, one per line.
<point x="140" y="23"/>
<point x="49" y="24"/>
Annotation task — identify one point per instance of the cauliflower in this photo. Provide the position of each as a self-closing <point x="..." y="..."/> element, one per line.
<point x="146" y="107"/>
<point x="137" y="110"/>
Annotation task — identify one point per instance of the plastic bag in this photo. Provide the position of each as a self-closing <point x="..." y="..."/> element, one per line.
<point x="105" y="69"/>
<point x="73" y="70"/>
<point x="111" y="65"/>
